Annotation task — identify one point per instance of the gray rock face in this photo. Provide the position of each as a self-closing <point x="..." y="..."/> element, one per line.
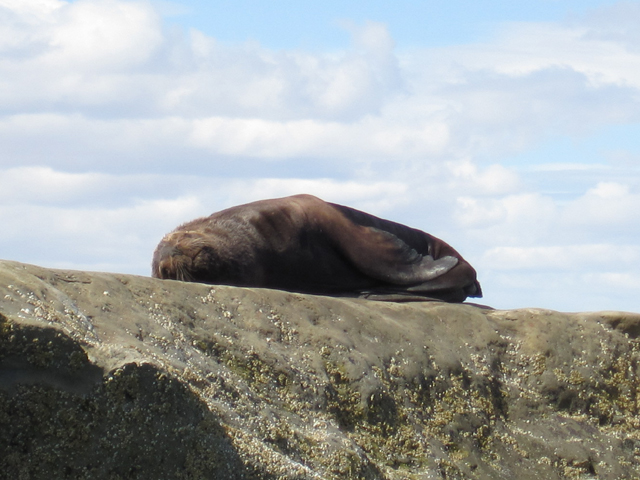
<point x="119" y="377"/>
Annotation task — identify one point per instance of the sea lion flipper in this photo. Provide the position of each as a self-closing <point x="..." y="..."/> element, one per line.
<point x="383" y="255"/>
<point x="435" y="268"/>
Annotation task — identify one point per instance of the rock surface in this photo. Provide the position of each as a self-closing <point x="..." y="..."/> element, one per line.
<point x="107" y="376"/>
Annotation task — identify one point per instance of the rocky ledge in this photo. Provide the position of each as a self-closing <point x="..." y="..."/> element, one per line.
<point x="107" y="376"/>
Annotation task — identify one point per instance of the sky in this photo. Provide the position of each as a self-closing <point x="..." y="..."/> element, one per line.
<point x="509" y="129"/>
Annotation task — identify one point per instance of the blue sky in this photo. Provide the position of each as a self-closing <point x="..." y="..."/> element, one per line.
<point x="509" y="129"/>
<point x="316" y="26"/>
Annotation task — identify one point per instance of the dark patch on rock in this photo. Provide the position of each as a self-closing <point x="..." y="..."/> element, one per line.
<point x="136" y="423"/>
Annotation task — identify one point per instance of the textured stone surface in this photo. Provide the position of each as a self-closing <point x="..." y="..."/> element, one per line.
<point x="112" y="376"/>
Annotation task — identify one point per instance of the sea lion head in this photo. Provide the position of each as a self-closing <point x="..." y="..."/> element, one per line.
<point x="178" y="255"/>
<point x="201" y="256"/>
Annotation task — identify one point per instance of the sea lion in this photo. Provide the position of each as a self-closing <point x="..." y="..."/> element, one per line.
<point x="304" y="244"/>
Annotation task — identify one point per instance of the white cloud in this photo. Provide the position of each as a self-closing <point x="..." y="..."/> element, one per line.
<point x="114" y="129"/>
<point x="492" y="180"/>
<point x="608" y="212"/>
<point x="575" y="292"/>
<point x="116" y="55"/>
<point x="566" y="167"/>
<point x="523" y="219"/>
<point x="616" y="24"/>
<point x="246" y="100"/>
<point x="109" y="239"/>
<point x="570" y="258"/>
<point x="607" y="204"/>
<point x="95" y="226"/>
<point x="74" y="55"/>
<point x="627" y="282"/>
<point x="75" y="141"/>
<point x="105" y="35"/>
<point x="521" y="48"/>
<point x="622" y="157"/>
<point x="377" y="196"/>
<point x="370" y="137"/>
<point x="40" y="185"/>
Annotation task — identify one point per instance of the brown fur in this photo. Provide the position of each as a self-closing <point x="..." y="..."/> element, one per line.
<point x="303" y="244"/>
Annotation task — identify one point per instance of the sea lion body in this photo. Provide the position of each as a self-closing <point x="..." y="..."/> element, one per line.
<point x="303" y="244"/>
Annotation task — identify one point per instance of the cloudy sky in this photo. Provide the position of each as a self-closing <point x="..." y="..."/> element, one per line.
<point x="510" y="129"/>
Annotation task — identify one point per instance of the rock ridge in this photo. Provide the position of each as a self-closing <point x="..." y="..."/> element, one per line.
<point x="108" y="376"/>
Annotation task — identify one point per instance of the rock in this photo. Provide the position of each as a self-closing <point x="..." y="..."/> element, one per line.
<point x="107" y="376"/>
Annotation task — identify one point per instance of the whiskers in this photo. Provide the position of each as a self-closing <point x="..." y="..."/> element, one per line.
<point x="181" y="271"/>
<point x="173" y="267"/>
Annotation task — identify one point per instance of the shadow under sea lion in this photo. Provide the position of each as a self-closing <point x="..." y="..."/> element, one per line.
<point x="303" y="244"/>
